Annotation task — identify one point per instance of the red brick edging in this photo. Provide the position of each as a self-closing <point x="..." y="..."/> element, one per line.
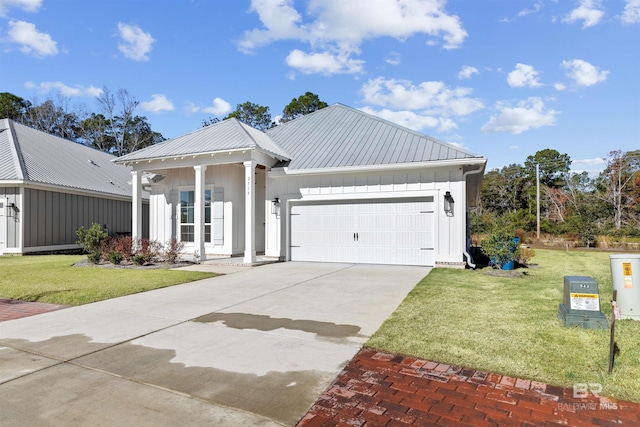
<point x="11" y="309"/>
<point x="382" y="389"/>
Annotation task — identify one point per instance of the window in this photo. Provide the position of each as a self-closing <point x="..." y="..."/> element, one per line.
<point x="187" y="216"/>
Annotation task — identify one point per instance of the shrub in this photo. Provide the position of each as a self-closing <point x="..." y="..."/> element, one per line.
<point x="501" y="248"/>
<point x="138" y="259"/>
<point x="150" y="249"/>
<point x="94" y="257"/>
<point x="525" y="255"/>
<point x="123" y="244"/>
<point x="115" y="257"/>
<point x="91" y="239"/>
<point x="172" y="250"/>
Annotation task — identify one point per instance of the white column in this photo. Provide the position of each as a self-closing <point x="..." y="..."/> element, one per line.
<point x="136" y="205"/>
<point x="249" y="213"/>
<point x="199" y="212"/>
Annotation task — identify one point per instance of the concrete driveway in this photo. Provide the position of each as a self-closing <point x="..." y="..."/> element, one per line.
<point x="254" y="348"/>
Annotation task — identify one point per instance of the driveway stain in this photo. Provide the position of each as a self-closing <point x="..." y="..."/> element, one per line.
<point x="268" y="323"/>
<point x="283" y="397"/>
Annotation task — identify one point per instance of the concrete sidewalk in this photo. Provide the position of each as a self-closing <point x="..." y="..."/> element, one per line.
<point x="255" y="347"/>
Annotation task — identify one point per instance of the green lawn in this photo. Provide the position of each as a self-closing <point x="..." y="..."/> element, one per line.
<point x="510" y="326"/>
<point x="53" y="279"/>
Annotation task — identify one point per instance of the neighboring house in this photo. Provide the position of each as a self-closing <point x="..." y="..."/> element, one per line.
<point x="337" y="185"/>
<point x="50" y="187"/>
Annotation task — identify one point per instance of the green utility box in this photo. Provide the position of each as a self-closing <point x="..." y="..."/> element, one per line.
<point x="581" y="306"/>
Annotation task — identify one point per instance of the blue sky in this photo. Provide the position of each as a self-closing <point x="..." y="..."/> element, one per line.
<point x="501" y="78"/>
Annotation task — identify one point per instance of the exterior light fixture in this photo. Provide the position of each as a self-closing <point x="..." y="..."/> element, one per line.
<point x="275" y="206"/>
<point x="448" y="203"/>
<point x="11" y="209"/>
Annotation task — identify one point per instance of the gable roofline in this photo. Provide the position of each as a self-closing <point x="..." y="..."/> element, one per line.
<point x="207" y="140"/>
<point x="18" y="162"/>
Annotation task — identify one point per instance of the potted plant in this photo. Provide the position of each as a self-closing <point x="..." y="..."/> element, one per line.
<point x="502" y="249"/>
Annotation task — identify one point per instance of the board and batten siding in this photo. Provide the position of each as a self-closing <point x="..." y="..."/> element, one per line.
<point x="52" y="218"/>
<point x="450" y="232"/>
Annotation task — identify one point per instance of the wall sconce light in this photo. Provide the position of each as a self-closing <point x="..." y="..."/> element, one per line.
<point x="275" y="206"/>
<point x="11" y="210"/>
<point x="448" y="203"/>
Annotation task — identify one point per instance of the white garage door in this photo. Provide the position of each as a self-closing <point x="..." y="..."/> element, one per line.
<point x="372" y="232"/>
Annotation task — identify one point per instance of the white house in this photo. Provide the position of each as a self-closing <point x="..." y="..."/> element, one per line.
<point x="50" y="187"/>
<point x="337" y="185"/>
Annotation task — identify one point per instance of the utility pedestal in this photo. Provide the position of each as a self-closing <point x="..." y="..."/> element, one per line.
<point x="581" y="304"/>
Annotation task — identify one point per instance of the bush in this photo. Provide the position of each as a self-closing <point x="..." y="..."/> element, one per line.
<point x="149" y="249"/>
<point x="91" y="239"/>
<point x="94" y="257"/>
<point x="138" y="259"/>
<point x="115" y="257"/>
<point x="501" y="248"/>
<point x="525" y="255"/>
<point x="123" y="244"/>
<point x="172" y="250"/>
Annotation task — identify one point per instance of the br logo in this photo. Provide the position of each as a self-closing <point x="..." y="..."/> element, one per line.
<point x="582" y="390"/>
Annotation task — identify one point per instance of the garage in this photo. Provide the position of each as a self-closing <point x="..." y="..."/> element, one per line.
<point x="369" y="232"/>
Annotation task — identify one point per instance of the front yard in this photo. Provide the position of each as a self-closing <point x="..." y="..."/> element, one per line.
<point x="54" y="279"/>
<point x="510" y="326"/>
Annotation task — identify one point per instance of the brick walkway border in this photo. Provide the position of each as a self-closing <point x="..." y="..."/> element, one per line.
<point x="382" y="389"/>
<point x="11" y="309"/>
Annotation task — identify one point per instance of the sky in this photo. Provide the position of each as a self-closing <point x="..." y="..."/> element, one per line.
<point x="499" y="78"/>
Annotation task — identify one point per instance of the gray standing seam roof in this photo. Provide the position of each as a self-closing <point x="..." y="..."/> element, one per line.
<point x="48" y="159"/>
<point x="229" y="134"/>
<point x="341" y="136"/>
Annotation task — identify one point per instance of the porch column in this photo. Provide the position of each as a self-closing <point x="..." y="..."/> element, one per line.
<point x="136" y="205"/>
<point x="198" y="239"/>
<point x="249" y="213"/>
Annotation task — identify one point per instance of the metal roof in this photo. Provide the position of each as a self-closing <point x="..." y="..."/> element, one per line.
<point x="229" y="134"/>
<point x="341" y="136"/>
<point x="31" y="155"/>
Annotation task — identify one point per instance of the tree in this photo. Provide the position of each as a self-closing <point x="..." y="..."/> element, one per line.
<point x="118" y="111"/>
<point x="254" y="115"/>
<point x="93" y="133"/>
<point x="619" y="185"/>
<point x="210" y="121"/>
<point x="553" y="166"/>
<point x="53" y="117"/>
<point x="12" y="107"/>
<point x="301" y="106"/>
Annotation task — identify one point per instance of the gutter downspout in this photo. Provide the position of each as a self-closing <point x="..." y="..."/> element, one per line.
<point x="464" y="178"/>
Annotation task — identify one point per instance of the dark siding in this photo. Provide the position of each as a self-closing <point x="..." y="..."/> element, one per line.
<point x="52" y="219"/>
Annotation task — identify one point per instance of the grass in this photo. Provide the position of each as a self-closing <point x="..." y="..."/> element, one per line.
<point x="509" y="325"/>
<point x="53" y="279"/>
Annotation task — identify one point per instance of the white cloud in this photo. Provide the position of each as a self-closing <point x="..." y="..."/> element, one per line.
<point x="157" y="104"/>
<point x="526" y="115"/>
<point x="393" y="58"/>
<point x="467" y="71"/>
<point x="593" y="167"/>
<point x="589" y="11"/>
<point x="523" y="76"/>
<point x="433" y="97"/>
<point x="412" y="120"/>
<point x="560" y="86"/>
<point x="65" y="90"/>
<point x="325" y="63"/>
<point x="584" y="73"/>
<point x="631" y="13"/>
<point x="26" y="5"/>
<point x="220" y="107"/>
<point x="31" y="41"/>
<point x="536" y="9"/>
<point x="332" y="29"/>
<point x="135" y="44"/>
